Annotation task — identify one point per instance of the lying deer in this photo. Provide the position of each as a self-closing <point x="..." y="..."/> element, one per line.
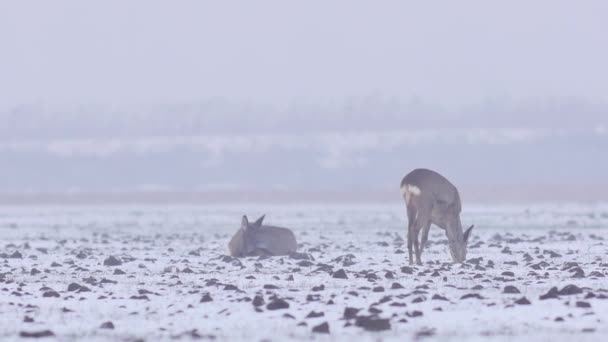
<point x="431" y="199"/>
<point x="256" y="239"/>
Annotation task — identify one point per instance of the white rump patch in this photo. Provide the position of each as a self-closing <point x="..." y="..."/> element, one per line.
<point x="414" y="190"/>
<point x="408" y="191"/>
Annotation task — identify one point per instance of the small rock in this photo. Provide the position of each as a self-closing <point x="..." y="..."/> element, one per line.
<point x="73" y="287"/>
<point x="277" y="304"/>
<point x="438" y="297"/>
<point x="472" y="295"/>
<point x="49" y="294"/>
<point x="16" y="255"/>
<point x="300" y="256"/>
<point x="84" y="289"/>
<point x="112" y="261"/>
<point x="414" y="313"/>
<point x="305" y="263"/>
<point x="231" y="287"/>
<point x="107" y="325"/>
<point x="372" y="323"/>
<point x="37" y="334"/>
<point x="340" y="274"/>
<point x="570" y="290"/>
<point x="318" y="288"/>
<point x="583" y="305"/>
<point x="396" y="286"/>
<point x="322" y="328"/>
<point x="523" y="301"/>
<point x="258" y="301"/>
<point x="407" y="270"/>
<point x="81" y="255"/>
<point x="511" y="289"/>
<point x="553" y="293"/>
<point x="314" y="314"/>
<point x="350" y="313"/>
<point x="206" y="298"/>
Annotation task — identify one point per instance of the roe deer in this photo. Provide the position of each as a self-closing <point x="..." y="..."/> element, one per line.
<point x="431" y="199"/>
<point x="255" y="239"/>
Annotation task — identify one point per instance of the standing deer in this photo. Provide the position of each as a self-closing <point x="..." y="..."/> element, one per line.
<point x="256" y="239"/>
<point x="431" y="199"/>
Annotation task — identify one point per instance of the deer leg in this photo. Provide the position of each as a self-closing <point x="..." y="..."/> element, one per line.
<point x="426" y="227"/>
<point x="410" y="243"/>
<point x="411" y="217"/>
<point x="423" y="223"/>
<point x="417" y="244"/>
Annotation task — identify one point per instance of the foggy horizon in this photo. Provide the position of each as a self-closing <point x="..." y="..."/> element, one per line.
<point x="345" y="97"/>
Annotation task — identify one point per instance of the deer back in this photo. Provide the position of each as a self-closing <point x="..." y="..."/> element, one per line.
<point x="274" y="240"/>
<point x="429" y="192"/>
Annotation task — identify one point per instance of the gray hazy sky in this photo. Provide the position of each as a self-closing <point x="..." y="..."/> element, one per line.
<point x="274" y="52"/>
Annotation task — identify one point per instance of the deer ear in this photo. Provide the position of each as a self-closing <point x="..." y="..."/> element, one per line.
<point x="467" y="233"/>
<point x="244" y="223"/>
<point x="259" y="222"/>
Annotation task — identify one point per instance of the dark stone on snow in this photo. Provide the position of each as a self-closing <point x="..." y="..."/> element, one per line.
<point x="322" y="328"/>
<point x="84" y="289"/>
<point x="277" y="304"/>
<point x="318" y="288"/>
<point x="73" y="287"/>
<point x="15" y="255"/>
<point x="472" y="295"/>
<point x="583" y="305"/>
<point x="438" y="297"/>
<point x="230" y="287"/>
<point x="372" y="323"/>
<point x="36" y="334"/>
<point x="142" y="297"/>
<point x="350" y="313"/>
<point x="206" y="298"/>
<point x="49" y="294"/>
<point x="407" y="270"/>
<point x="396" y="286"/>
<point x="314" y="314"/>
<point x="510" y="289"/>
<point x="553" y="293"/>
<point x="340" y="274"/>
<point x="414" y="313"/>
<point x="300" y="256"/>
<point x="570" y="290"/>
<point x="112" y="261"/>
<point x="258" y="301"/>
<point x="107" y="325"/>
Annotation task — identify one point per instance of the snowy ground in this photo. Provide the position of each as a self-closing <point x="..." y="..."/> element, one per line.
<point x="174" y="282"/>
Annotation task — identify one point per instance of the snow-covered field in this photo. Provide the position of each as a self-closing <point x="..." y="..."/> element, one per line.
<point x="173" y="281"/>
